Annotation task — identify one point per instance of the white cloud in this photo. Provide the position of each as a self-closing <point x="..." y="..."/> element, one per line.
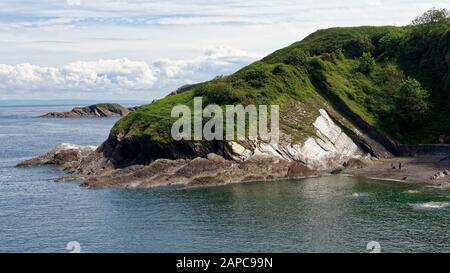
<point x="166" y="36"/>
<point x="98" y="76"/>
<point x="119" y="76"/>
<point x="220" y="60"/>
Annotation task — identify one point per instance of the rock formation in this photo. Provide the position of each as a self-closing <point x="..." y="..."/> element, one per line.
<point x="96" y="110"/>
<point x="223" y="162"/>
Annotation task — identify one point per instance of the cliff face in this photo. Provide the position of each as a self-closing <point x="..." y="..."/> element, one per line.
<point x="329" y="147"/>
<point x="96" y="110"/>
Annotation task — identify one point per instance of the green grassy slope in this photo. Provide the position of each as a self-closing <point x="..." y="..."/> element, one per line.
<point x="321" y="71"/>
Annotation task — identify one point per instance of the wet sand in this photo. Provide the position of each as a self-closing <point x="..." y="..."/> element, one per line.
<point x="433" y="170"/>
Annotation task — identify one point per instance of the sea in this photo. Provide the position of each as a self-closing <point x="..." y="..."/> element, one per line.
<point x="328" y="214"/>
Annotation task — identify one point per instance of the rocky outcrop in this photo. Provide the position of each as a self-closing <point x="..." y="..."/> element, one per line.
<point x="200" y="172"/>
<point x="60" y="155"/>
<point x="73" y="159"/>
<point x="141" y="162"/>
<point x="96" y="110"/>
<point x="89" y="165"/>
<point x="328" y="149"/>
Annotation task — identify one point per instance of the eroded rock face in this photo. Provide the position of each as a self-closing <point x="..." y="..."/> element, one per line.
<point x="329" y="149"/>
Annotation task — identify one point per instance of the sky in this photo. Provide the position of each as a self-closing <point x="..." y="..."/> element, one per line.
<point x="141" y="50"/>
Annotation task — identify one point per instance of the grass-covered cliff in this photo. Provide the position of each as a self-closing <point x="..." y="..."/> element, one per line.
<point x="396" y="79"/>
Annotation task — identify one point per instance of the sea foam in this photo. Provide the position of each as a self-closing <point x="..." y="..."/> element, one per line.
<point x="360" y="194"/>
<point x="431" y="205"/>
<point x="413" y="191"/>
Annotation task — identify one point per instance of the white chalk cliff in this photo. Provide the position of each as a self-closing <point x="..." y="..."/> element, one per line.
<point x="329" y="149"/>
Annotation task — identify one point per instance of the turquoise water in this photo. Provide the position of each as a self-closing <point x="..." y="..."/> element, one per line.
<point x="331" y="214"/>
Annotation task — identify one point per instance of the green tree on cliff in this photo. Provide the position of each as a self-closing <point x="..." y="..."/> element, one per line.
<point x="432" y="21"/>
<point x="411" y="103"/>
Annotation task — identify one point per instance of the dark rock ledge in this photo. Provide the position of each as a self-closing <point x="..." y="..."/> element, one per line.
<point x="96" y="110"/>
<point x="89" y="165"/>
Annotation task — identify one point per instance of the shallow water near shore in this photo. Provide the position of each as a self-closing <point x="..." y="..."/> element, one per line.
<point x="328" y="214"/>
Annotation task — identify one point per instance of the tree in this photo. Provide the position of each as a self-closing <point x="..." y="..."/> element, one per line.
<point x="391" y="42"/>
<point x="432" y="21"/>
<point x="366" y="63"/>
<point x="411" y="103"/>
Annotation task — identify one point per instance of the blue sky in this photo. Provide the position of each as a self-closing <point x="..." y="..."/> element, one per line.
<point x="125" y="49"/>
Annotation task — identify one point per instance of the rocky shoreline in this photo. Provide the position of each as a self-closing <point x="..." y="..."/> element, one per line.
<point x="335" y="149"/>
<point x="89" y="165"/>
<point x="141" y="162"/>
<point x="95" y="171"/>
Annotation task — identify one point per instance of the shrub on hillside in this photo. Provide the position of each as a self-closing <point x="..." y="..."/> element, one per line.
<point x="356" y="47"/>
<point x="280" y="70"/>
<point x="411" y="103"/>
<point x="257" y="76"/>
<point x="391" y="42"/>
<point x="338" y="55"/>
<point x="214" y="93"/>
<point x="366" y="64"/>
<point x="296" y="57"/>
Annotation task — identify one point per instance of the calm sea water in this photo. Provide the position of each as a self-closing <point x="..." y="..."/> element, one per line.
<point x="332" y="214"/>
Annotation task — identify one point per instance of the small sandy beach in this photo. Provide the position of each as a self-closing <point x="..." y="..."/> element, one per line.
<point x="425" y="169"/>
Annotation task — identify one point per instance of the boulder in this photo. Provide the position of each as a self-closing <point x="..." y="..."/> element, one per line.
<point x="60" y="155"/>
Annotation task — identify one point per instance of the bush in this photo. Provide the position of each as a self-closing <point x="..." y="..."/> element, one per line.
<point x="390" y="78"/>
<point x="356" y="47"/>
<point x="296" y="57"/>
<point x="338" y="55"/>
<point x="366" y="64"/>
<point x="214" y="93"/>
<point x="411" y="103"/>
<point x="391" y="42"/>
<point x="256" y="77"/>
<point x="326" y="57"/>
<point x="280" y="70"/>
